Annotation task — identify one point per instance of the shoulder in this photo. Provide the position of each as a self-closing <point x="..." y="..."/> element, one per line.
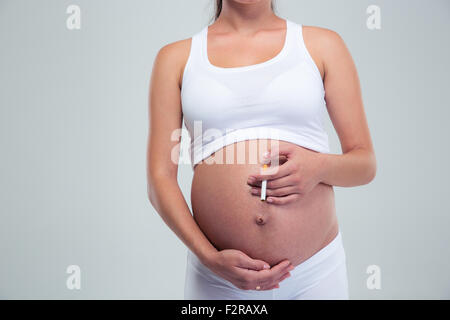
<point x="172" y="57"/>
<point x="326" y="46"/>
<point x="322" y="38"/>
<point x="174" y="53"/>
<point x="325" y="42"/>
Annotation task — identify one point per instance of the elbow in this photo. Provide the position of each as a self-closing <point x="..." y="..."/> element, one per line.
<point x="157" y="180"/>
<point x="371" y="169"/>
<point x="151" y="194"/>
<point x="152" y="189"/>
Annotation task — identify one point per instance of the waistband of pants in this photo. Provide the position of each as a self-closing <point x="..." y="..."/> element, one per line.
<point x="332" y="248"/>
<point x="313" y="269"/>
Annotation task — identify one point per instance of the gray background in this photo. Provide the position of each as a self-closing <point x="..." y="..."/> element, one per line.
<point x="73" y="123"/>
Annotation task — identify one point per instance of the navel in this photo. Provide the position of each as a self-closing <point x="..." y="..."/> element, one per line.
<point x="261" y="219"/>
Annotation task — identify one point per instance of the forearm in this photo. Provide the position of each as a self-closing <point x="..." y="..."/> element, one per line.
<point x="353" y="168"/>
<point x="168" y="200"/>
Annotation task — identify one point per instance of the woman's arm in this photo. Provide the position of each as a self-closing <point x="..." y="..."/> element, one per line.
<point x="357" y="164"/>
<point x="165" y="118"/>
<point x="304" y="168"/>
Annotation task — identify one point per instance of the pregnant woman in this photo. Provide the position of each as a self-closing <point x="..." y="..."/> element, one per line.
<point x="252" y="88"/>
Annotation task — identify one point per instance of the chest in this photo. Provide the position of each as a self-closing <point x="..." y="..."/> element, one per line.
<point x="284" y="93"/>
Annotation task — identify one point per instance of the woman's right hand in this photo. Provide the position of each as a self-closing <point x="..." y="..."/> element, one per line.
<point x="247" y="273"/>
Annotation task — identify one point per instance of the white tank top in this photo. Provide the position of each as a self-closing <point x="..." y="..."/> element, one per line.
<point x="281" y="98"/>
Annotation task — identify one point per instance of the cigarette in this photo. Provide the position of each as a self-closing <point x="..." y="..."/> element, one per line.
<point x="263" y="186"/>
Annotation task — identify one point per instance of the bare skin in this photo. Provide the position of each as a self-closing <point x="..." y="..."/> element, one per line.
<point x="231" y="216"/>
<point x="300" y="219"/>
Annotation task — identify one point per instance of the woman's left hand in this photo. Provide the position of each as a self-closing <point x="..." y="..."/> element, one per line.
<point x="296" y="172"/>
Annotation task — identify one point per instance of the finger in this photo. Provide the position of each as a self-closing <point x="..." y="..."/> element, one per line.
<point x="276" y="183"/>
<point x="252" y="264"/>
<point x="274" y="160"/>
<point x="281" y="268"/>
<point x="267" y="285"/>
<point x="270" y="286"/>
<point x="283" y="200"/>
<point x="271" y="173"/>
<point x="270" y="277"/>
<point x="285" y="276"/>
<point x="280" y="192"/>
<point x="277" y="150"/>
<point x="287" y="181"/>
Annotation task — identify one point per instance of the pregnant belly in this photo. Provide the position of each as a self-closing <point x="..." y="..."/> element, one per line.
<point x="232" y="218"/>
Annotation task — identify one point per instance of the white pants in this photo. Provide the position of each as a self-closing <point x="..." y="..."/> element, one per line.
<point x="322" y="276"/>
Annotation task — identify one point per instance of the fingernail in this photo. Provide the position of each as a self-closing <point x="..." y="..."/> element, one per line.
<point x="251" y="179"/>
<point x="266" y="266"/>
<point x="269" y="200"/>
<point x="291" y="268"/>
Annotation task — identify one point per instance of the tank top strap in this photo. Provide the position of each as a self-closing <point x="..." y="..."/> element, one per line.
<point x="294" y="37"/>
<point x="301" y="51"/>
<point x="195" y="56"/>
